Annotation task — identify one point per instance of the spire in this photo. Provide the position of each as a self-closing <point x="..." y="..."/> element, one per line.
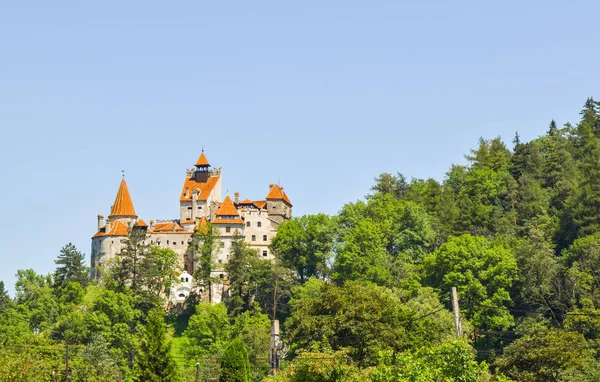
<point x="227" y="208"/>
<point x="276" y="192"/>
<point x="123" y="207"/>
<point x="202" y="161"/>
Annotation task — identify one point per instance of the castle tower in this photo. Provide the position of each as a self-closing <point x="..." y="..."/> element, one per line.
<point x="279" y="206"/>
<point x="122" y="209"/>
<point x="202" y="172"/>
<point x="202" y="186"/>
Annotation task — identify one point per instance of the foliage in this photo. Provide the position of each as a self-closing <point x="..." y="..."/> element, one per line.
<point x="545" y="355"/>
<point x="235" y="366"/>
<point x="483" y="274"/>
<point x="154" y="362"/>
<point x="304" y="244"/>
<point x="71" y="267"/>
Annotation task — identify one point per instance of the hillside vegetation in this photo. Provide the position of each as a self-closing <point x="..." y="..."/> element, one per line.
<point x="361" y="296"/>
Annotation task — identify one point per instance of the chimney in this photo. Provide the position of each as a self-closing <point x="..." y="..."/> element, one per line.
<point x="107" y="225"/>
<point x="100" y="219"/>
<point x="237" y="197"/>
<point x="151" y="224"/>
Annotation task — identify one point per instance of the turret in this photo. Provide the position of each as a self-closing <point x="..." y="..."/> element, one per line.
<point x="201" y="174"/>
<point x="122" y="209"/>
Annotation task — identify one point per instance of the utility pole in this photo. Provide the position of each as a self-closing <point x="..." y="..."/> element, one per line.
<point x="197" y="371"/>
<point x="274" y="347"/>
<point x="456" y="311"/>
<point x="67" y="363"/>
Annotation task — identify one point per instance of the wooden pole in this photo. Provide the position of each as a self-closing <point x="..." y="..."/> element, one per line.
<point x="274" y="347"/>
<point x="456" y="311"/>
<point x="197" y="371"/>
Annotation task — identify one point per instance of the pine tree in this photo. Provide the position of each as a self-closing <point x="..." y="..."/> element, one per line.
<point x="71" y="267"/>
<point x="154" y="361"/>
<point x="235" y="366"/>
<point x="129" y="269"/>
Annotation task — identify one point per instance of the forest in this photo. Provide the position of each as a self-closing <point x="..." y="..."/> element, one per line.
<point x="361" y="296"/>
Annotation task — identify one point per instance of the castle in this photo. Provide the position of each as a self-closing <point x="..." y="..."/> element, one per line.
<point x="200" y="201"/>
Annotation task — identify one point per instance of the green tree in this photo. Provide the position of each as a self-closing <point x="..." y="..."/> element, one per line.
<point x="304" y="244"/>
<point x="97" y="364"/>
<point x="70" y="267"/>
<point x="254" y="328"/>
<point x="235" y="366"/>
<point x="545" y="355"/>
<point x="158" y="267"/>
<point x="35" y="299"/>
<point x="154" y="361"/>
<point x="240" y="273"/>
<point x="388" y="184"/>
<point x="363" y="256"/>
<point x="361" y="317"/>
<point x="207" y="333"/>
<point x="448" y="361"/>
<point x="127" y="268"/>
<point x="205" y="243"/>
<point x="321" y="367"/>
<point x="483" y="274"/>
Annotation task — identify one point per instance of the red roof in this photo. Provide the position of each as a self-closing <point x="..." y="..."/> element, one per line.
<point x="277" y="192"/>
<point x="123" y="206"/>
<point x="116" y="229"/>
<point x="227" y="208"/>
<point x="202" y="161"/>
<point x="190" y="185"/>
<point x="167" y="227"/>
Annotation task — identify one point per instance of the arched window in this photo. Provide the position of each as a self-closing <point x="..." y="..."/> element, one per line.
<point x="259" y="224"/>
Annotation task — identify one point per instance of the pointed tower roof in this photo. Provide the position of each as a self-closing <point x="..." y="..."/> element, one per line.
<point x="202" y="161"/>
<point x="123" y="206"/>
<point x="227" y="208"/>
<point x="277" y="192"/>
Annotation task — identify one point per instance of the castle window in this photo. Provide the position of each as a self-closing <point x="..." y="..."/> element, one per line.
<point x="221" y="276"/>
<point x="181" y="242"/>
<point x="264" y="237"/>
<point x="253" y="237"/>
<point x="259" y="224"/>
<point x="247" y="224"/>
<point x="187" y="280"/>
<point x="265" y="253"/>
<point x="182" y="279"/>
<point x="174" y="243"/>
<point x="222" y="244"/>
<point x="227" y="229"/>
<point x="181" y="295"/>
<point x="167" y="242"/>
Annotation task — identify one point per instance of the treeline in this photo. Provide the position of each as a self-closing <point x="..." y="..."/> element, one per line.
<point x="362" y="295"/>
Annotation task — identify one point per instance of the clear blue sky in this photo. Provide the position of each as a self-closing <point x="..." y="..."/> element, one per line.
<point x="321" y="96"/>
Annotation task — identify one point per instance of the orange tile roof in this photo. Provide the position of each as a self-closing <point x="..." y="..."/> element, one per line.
<point x="237" y="220"/>
<point x="202" y="161"/>
<point x="260" y="203"/>
<point x="123" y="205"/>
<point x="277" y="192"/>
<point x="141" y="223"/>
<point x="190" y="185"/>
<point x="166" y="227"/>
<point x="188" y="221"/>
<point x="246" y="201"/>
<point x="116" y="229"/>
<point x="227" y="208"/>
